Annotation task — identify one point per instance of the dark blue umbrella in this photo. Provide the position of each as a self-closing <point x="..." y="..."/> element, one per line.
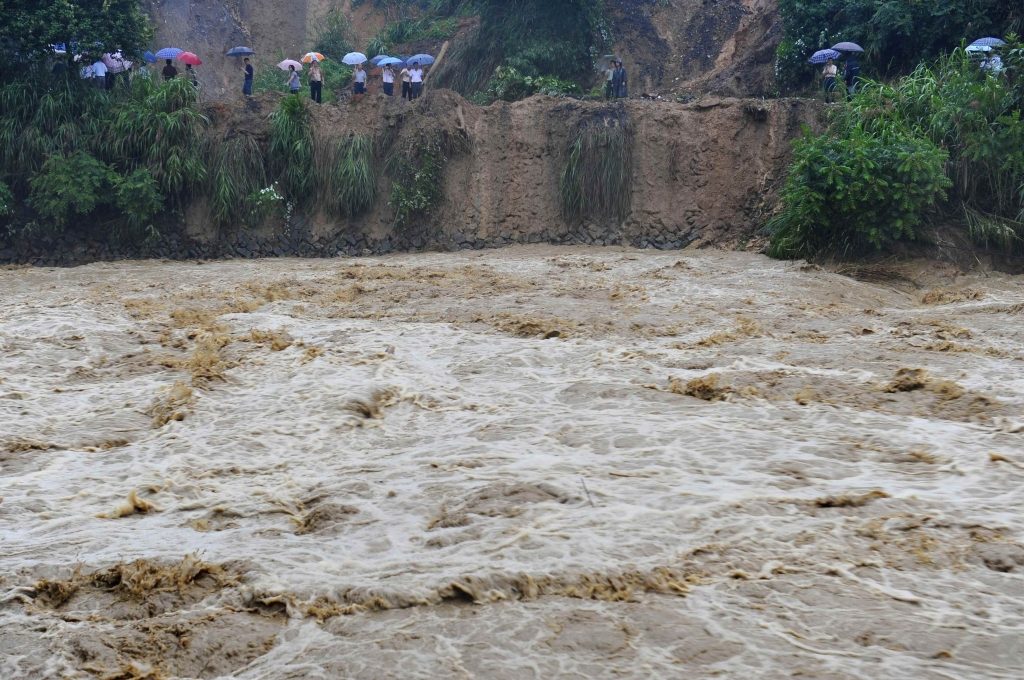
<point x="421" y="59"/>
<point x="988" y="42"/>
<point x="169" y="53"/>
<point x="379" y="58"/>
<point x="847" y="47"/>
<point x="149" y="57"/>
<point x="821" y="56"/>
<point x="240" y="52"/>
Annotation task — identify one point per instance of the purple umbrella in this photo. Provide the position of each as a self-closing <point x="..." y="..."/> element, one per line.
<point x="821" y="56"/>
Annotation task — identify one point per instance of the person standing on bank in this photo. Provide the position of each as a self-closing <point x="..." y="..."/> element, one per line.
<point x="359" y="82"/>
<point x="190" y="74"/>
<point x="99" y="73"/>
<point x="169" y="72"/>
<point x="316" y="82"/>
<point x="406" y="83"/>
<point x="416" y="76"/>
<point x="609" y="75"/>
<point x="851" y="72"/>
<point x="294" y="82"/>
<point x="828" y="75"/>
<point x="620" y="82"/>
<point x="388" y="78"/>
<point x="250" y="73"/>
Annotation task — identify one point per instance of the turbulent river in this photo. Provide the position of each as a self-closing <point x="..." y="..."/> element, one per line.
<point x="526" y="463"/>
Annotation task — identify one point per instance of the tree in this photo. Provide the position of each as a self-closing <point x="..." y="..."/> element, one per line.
<point x="29" y="27"/>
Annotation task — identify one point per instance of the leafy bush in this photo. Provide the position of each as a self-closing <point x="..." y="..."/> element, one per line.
<point x="137" y="196"/>
<point x="347" y="179"/>
<point x="7" y="200"/>
<point x="416" y="170"/>
<point x="237" y="170"/>
<point x="291" y="148"/>
<point x="510" y="85"/>
<point x="852" y="191"/>
<point x="69" y="186"/>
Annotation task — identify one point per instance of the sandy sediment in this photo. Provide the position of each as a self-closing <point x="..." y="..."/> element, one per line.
<point x="517" y="463"/>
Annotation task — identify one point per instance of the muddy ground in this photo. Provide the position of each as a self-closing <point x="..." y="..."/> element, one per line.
<point x="531" y="462"/>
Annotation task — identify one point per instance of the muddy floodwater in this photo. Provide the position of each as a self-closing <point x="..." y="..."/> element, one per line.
<point x="525" y="463"/>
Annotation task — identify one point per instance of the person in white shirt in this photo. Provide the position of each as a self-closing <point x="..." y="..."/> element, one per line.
<point x="359" y="82"/>
<point x="388" y="76"/>
<point x="99" y="73"/>
<point x="406" y="84"/>
<point x="416" y="77"/>
<point x="829" y="74"/>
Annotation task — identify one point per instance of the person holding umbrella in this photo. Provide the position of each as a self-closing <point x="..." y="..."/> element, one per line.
<point x="416" y="78"/>
<point x="388" y="79"/>
<point x="294" y="82"/>
<point x="828" y="75"/>
<point x="169" y="72"/>
<point x="190" y="73"/>
<point x="250" y="74"/>
<point x="406" y="83"/>
<point x="316" y="82"/>
<point x="359" y="82"/>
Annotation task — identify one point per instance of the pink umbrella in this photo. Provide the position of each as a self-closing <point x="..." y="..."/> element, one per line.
<point x="190" y="58"/>
<point x="289" y="62"/>
<point x="116" y="63"/>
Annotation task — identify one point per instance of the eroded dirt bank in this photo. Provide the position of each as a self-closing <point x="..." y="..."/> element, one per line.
<point x="533" y="462"/>
<point x="702" y="173"/>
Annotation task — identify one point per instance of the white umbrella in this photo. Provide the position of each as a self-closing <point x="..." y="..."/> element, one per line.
<point x="353" y="58"/>
<point x="289" y="62"/>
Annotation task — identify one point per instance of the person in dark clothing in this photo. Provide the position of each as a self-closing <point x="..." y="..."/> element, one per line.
<point x="250" y="73"/>
<point x="851" y="72"/>
<point x="190" y="73"/>
<point x="169" y="71"/>
<point x="620" y="85"/>
<point x="316" y="82"/>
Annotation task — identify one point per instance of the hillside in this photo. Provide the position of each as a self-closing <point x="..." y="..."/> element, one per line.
<point x="675" y="47"/>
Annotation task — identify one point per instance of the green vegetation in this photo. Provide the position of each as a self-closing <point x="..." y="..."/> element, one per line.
<point x="896" y="34"/>
<point x="269" y="78"/>
<point x="403" y="32"/>
<point x="346" y="174"/>
<point x="237" y="174"/>
<point x="333" y="39"/>
<point x="416" y="171"/>
<point x="889" y="156"/>
<point x="291" y="148"/>
<point x="595" y="181"/>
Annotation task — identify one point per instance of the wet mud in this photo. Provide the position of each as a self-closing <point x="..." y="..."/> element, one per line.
<point x="532" y="462"/>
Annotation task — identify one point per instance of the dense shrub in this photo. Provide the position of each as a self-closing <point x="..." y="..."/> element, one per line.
<point x="70" y="186"/>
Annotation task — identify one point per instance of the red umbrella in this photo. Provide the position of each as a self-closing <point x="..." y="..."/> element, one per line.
<point x="190" y="58"/>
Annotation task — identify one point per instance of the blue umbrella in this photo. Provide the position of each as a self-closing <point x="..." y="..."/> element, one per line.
<point x="390" y="61"/>
<point x="847" y="47"/>
<point x="379" y="58"/>
<point x="149" y="57"/>
<point x="821" y="56"/>
<point x="421" y="59"/>
<point x="169" y="53"/>
<point x="240" y="52"/>
<point x="988" y="42"/>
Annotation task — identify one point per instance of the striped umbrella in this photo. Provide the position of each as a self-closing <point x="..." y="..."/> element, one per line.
<point x="821" y="56"/>
<point x="169" y="53"/>
<point x="310" y="57"/>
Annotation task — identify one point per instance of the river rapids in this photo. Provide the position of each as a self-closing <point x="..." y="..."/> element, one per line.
<point x="535" y="462"/>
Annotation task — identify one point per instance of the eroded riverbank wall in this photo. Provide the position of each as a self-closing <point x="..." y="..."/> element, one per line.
<point x="704" y="173"/>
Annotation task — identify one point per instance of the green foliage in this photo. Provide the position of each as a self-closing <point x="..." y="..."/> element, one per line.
<point x="595" y="181"/>
<point x="337" y="77"/>
<point x="509" y="84"/>
<point x="29" y="27"/>
<point x="405" y="31"/>
<point x="137" y="196"/>
<point x="291" y="149"/>
<point x="416" y="170"/>
<point x="333" y="38"/>
<point x="557" y="38"/>
<point x="346" y="175"/>
<point x="897" y="34"/>
<point x="70" y="186"/>
<point x="237" y="171"/>
<point x="853" y="189"/>
<point x="7" y="200"/>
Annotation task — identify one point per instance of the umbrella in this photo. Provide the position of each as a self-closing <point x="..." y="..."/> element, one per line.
<point x="289" y="62"/>
<point x="149" y="57"/>
<point x="421" y="59"/>
<point x="379" y="58"/>
<point x="353" y="58"/>
<point x="240" y="52"/>
<point x="59" y="48"/>
<point x="169" y="53"/>
<point x="978" y="49"/>
<point x="606" y="61"/>
<point x="988" y="42"/>
<point x="116" y="63"/>
<point x="313" y="56"/>
<point x="390" y="61"/>
<point x="190" y="58"/>
<point x="821" y="56"/>
<point x="847" y="47"/>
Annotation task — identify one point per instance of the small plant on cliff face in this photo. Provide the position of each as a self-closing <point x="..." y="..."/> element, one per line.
<point x="346" y="176"/>
<point x="417" y="171"/>
<point x="236" y="171"/>
<point x="291" y="148"/>
<point x="595" y="181"/>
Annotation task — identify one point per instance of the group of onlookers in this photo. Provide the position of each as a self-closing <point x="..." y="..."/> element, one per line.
<point x="830" y="75"/>
<point x="411" y="78"/>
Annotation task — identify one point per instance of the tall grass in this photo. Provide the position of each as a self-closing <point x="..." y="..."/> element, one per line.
<point x="291" y="149"/>
<point x="346" y="174"/>
<point x="237" y="170"/>
<point x="595" y="181"/>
